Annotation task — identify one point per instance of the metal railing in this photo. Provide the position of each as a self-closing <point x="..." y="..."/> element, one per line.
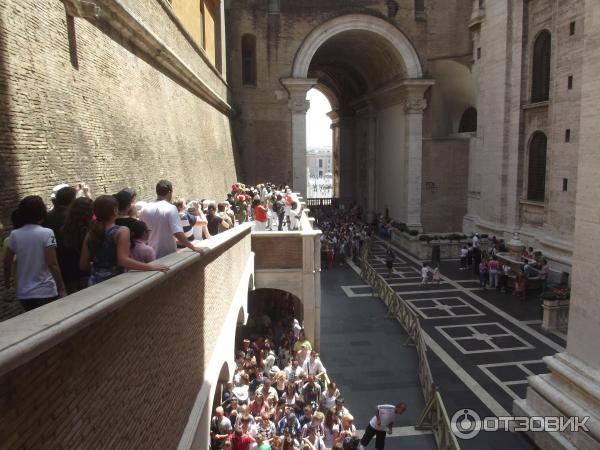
<point x="434" y="417"/>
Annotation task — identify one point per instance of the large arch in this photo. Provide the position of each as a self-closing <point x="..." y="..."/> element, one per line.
<point x="356" y="22"/>
<point x="371" y="66"/>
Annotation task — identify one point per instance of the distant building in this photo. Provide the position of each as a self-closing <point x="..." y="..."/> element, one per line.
<point x="319" y="162"/>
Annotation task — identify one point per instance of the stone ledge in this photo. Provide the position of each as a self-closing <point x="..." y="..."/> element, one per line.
<point x="24" y="337"/>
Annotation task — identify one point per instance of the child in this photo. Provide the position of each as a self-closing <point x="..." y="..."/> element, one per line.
<point x="437" y="276"/>
<point x="140" y="251"/>
<point x="424" y="274"/>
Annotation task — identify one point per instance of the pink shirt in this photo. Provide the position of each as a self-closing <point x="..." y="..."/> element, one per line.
<point x="493" y="265"/>
<point x="142" y="252"/>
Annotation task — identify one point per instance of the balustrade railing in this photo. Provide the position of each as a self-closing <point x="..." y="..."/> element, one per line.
<point x="434" y="417"/>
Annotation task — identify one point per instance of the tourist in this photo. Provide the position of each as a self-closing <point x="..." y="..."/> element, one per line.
<point x="294" y="216"/>
<point x="260" y="215"/>
<point x="215" y="222"/>
<point x="126" y="199"/>
<point x="382" y="421"/>
<point x="389" y="260"/>
<point x="313" y="439"/>
<point x="340" y="409"/>
<point x="493" y="272"/>
<point x="289" y="424"/>
<point x="163" y="219"/>
<point x="225" y="213"/>
<point x="241" y="440"/>
<point x="279" y="211"/>
<point x="189" y="218"/>
<point x="329" y="397"/>
<point x="463" y="257"/>
<point x="520" y="285"/>
<point x="476" y="260"/>
<point x="70" y="242"/>
<point x="436" y="276"/>
<point x="140" y="250"/>
<point x="469" y="255"/>
<point x="220" y="429"/>
<point x="61" y="199"/>
<point x="483" y="273"/>
<point x="38" y="278"/>
<point x="331" y="428"/>
<point x="306" y="417"/>
<point x="313" y="366"/>
<point x="476" y="241"/>
<point x="347" y="428"/>
<point x="424" y="275"/>
<point x="290" y="395"/>
<point x="262" y="442"/>
<point x="106" y="245"/>
<point x="266" y="427"/>
<point x="302" y="340"/>
<point x="279" y="380"/>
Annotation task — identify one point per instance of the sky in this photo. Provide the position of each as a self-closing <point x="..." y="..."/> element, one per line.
<point x="318" y="131"/>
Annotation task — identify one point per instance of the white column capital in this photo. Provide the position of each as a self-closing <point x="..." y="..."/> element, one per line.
<point x="298" y="88"/>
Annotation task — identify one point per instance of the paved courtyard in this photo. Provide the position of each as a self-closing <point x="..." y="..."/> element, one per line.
<point x="482" y="346"/>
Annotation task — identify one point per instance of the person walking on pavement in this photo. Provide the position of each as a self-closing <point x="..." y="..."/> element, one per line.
<point x="380" y="423"/>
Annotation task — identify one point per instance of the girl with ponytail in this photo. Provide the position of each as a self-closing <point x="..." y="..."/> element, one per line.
<point x="105" y="251"/>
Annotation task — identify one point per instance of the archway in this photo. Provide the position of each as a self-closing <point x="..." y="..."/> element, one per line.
<point x="320" y="140"/>
<point x="367" y="65"/>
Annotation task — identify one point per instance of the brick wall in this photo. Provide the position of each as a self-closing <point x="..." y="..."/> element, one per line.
<point x="129" y="378"/>
<point x="88" y="107"/>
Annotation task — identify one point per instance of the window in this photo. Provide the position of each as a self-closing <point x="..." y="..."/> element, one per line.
<point x="568" y="135"/>
<point x="565" y="184"/>
<point x="274" y="6"/>
<point x="320" y="174"/>
<point x="570" y="82"/>
<point x="249" y="60"/>
<point x="420" y="9"/>
<point x="536" y="180"/>
<point x="540" y="83"/>
<point x="572" y="29"/>
<point x="468" y="121"/>
<point x="478" y="52"/>
<point x="320" y="164"/>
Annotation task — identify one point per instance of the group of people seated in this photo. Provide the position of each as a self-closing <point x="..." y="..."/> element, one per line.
<point x="280" y="397"/>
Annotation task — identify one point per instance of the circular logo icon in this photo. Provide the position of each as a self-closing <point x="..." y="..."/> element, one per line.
<point x="466" y="423"/>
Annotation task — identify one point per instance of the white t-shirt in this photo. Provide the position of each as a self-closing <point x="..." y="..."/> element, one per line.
<point x="424" y="272"/>
<point x="313" y="367"/>
<point x="34" y="279"/>
<point x="163" y="219"/>
<point x="387" y="414"/>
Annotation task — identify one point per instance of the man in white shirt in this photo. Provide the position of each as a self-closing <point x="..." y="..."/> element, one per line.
<point x="382" y="420"/>
<point x="314" y="366"/>
<point x="476" y="242"/>
<point x="162" y="218"/>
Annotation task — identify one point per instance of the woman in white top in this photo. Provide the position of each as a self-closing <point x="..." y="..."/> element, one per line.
<point x="330" y="396"/>
<point x="290" y="396"/>
<point x="38" y="278"/>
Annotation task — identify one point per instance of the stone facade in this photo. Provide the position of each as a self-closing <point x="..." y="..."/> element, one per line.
<point x="372" y="50"/>
<point x="504" y="36"/>
<point x="82" y="99"/>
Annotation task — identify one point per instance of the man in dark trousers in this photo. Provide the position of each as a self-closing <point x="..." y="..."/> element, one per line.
<point x="382" y="422"/>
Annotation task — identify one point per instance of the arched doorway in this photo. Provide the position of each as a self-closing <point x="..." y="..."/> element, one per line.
<point x="266" y="309"/>
<point x="320" y="140"/>
<point x="373" y="71"/>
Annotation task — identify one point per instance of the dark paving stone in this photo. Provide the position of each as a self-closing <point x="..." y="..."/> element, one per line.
<point x="508" y="373"/>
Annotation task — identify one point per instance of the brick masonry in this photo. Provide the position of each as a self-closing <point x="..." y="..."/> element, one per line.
<point x="88" y="108"/>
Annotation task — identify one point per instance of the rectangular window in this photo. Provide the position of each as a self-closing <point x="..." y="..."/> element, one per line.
<point x="419" y="9"/>
<point x="565" y="184"/>
<point x="320" y="164"/>
<point x="249" y="60"/>
<point x="478" y="52"/>
<point x="568" y="135"/>
<point x="570" y="82"/>
<point x="572" y="28"/>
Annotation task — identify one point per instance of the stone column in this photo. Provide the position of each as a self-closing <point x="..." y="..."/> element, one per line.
<point x="298" y="105"/>
<point x="414" y="105"/>
<point x="342" y="126"/>
<point x="371" y="160"/>
<point x="572" y="389"/>
<point x="335" y="152"/>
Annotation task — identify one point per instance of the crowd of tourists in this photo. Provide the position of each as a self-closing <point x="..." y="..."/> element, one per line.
<point x="280" y="398"/>
<point x="343" y="234"/>
<point x="81" y="240"/>
<point x="501" y="276"/>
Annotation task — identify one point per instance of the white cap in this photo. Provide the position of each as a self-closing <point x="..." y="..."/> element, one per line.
<point x="57" y="188"/>
<point x="140" y="205"/>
